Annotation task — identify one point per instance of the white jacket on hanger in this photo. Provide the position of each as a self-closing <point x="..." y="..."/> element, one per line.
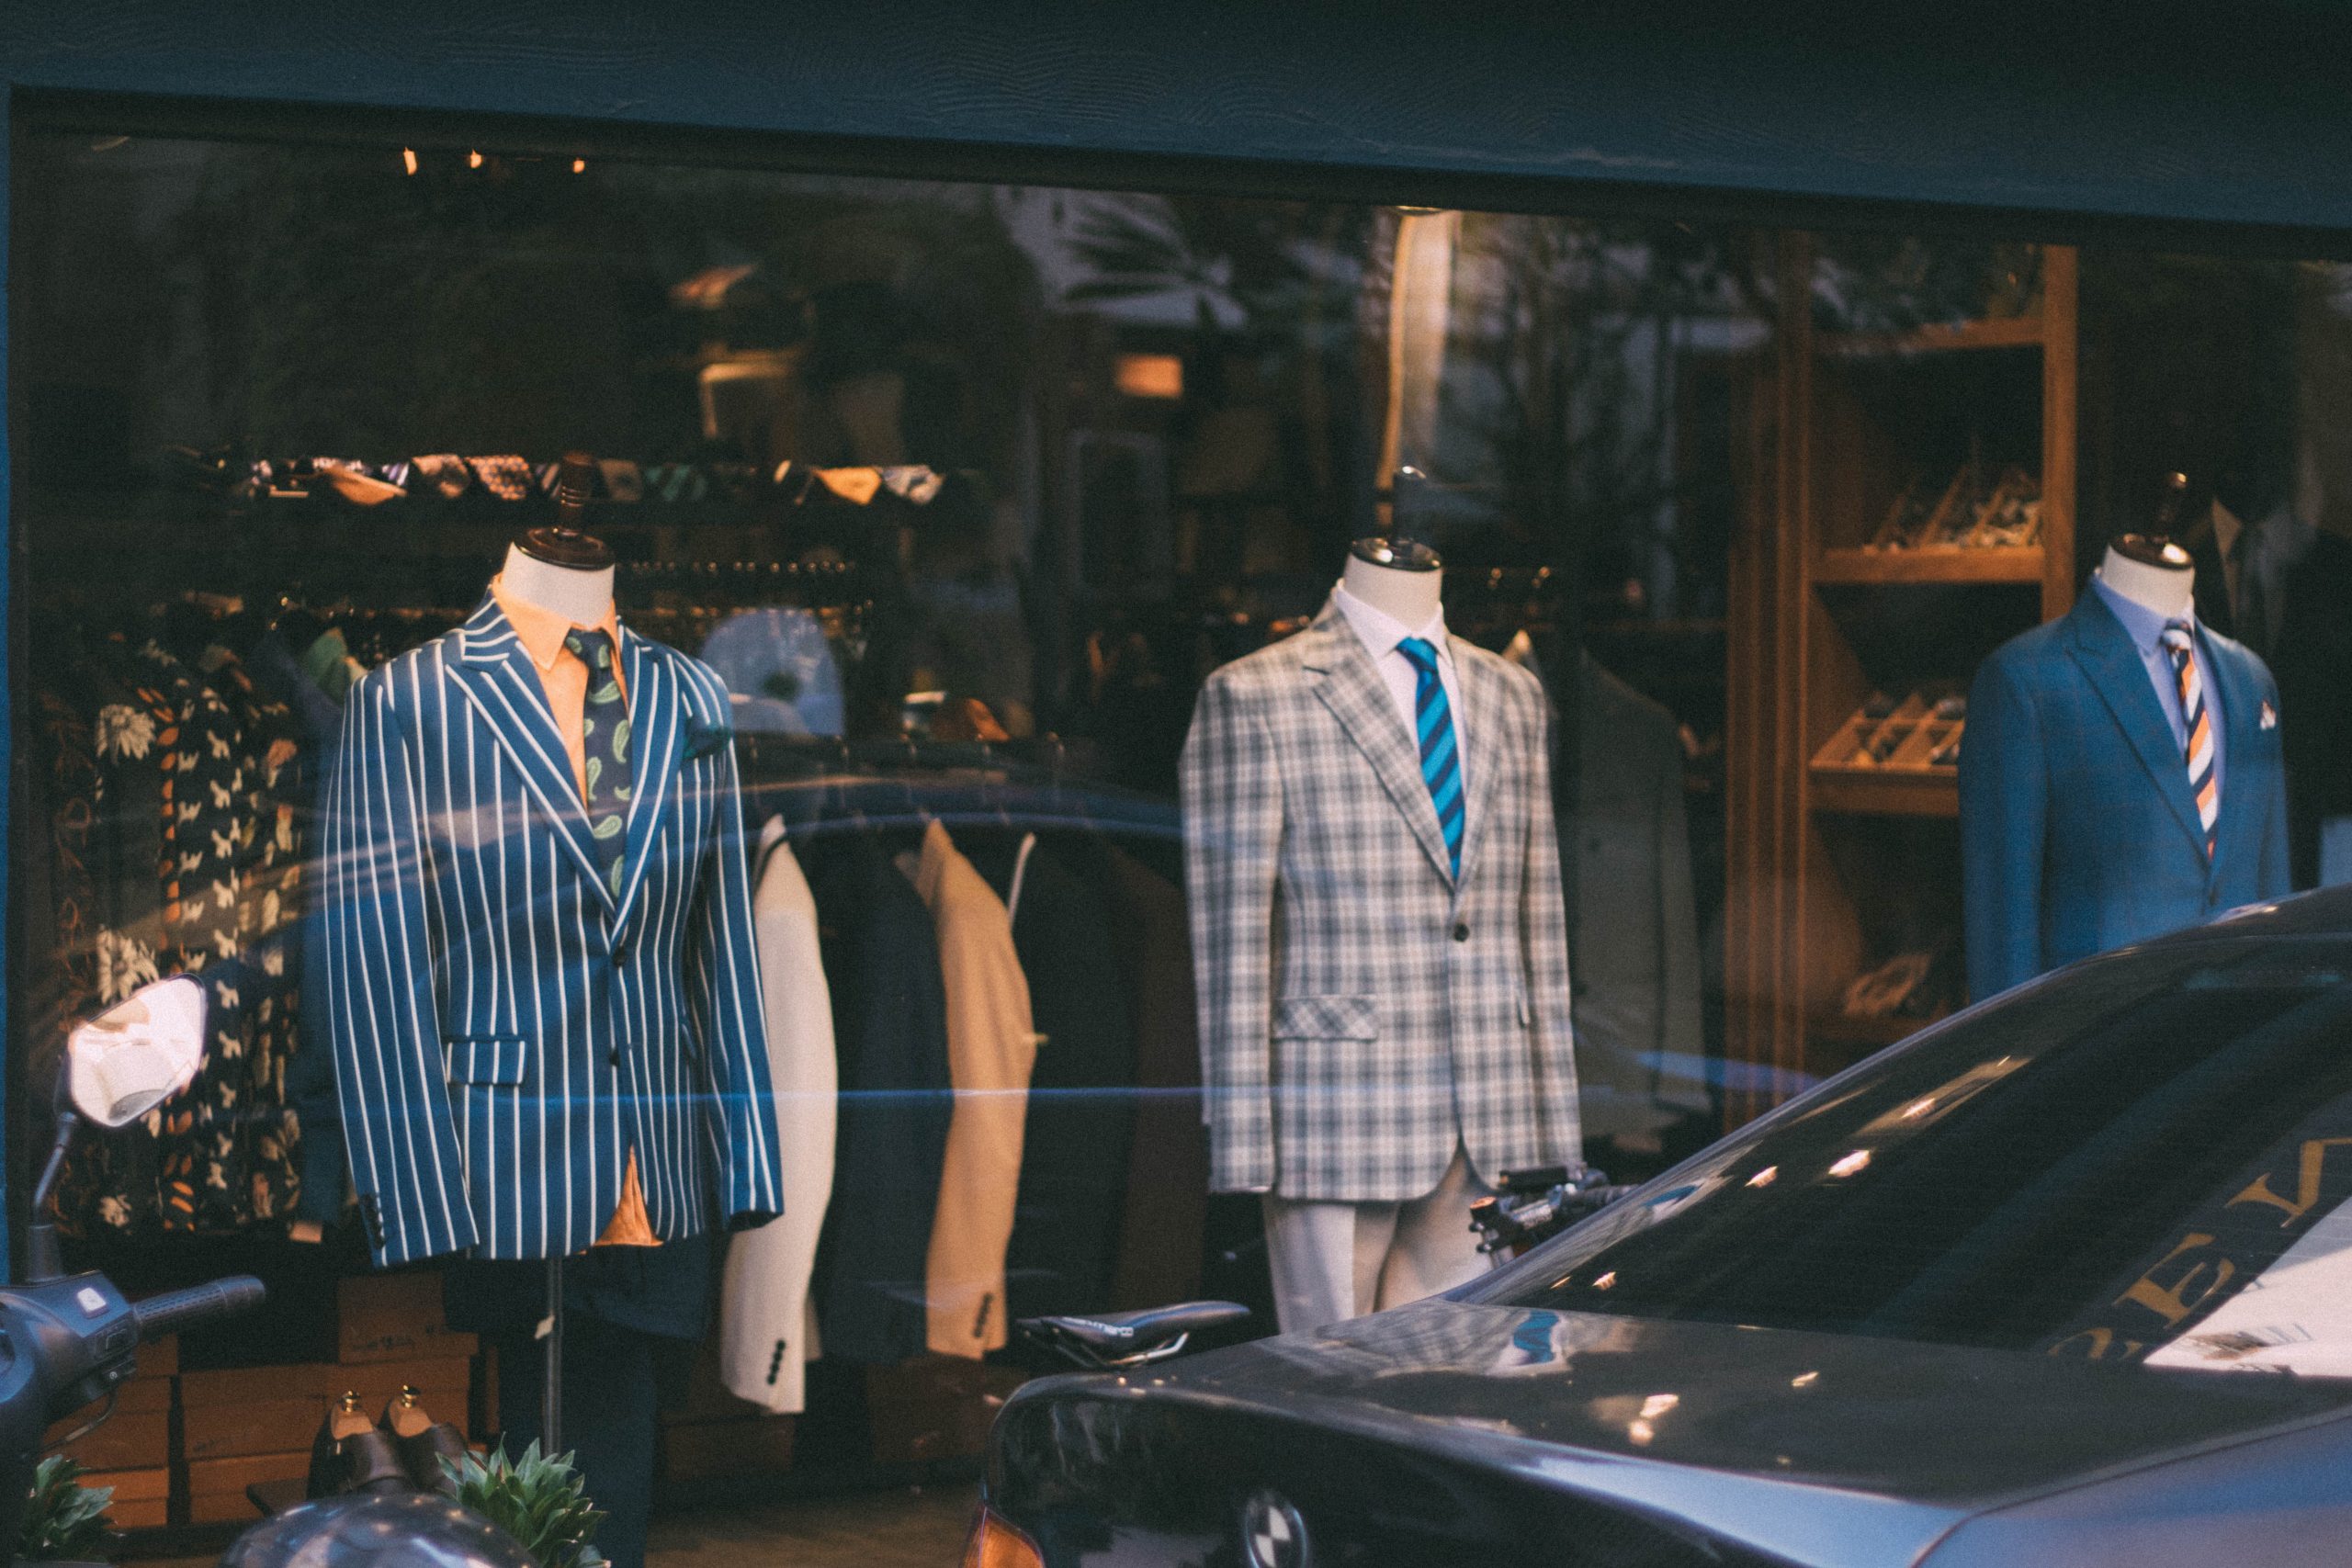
<point x="767" y="1326"/>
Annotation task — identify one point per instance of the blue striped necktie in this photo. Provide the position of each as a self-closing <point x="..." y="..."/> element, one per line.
<point x="1441" y="758"/>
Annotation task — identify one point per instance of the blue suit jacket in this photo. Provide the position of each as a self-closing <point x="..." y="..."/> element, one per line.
<point x="2077" y="829"/>
<point x="506" y="1031"/>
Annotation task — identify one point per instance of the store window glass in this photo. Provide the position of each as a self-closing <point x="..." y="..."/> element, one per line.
<point x="979" y="786"/>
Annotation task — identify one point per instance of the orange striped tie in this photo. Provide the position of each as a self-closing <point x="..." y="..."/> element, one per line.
<point x="2181" y="644"/>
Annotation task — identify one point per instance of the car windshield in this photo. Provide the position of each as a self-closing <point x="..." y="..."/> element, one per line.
<point x="2141" y="1162"/>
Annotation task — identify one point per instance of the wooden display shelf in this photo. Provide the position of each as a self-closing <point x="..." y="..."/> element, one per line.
<point x="2003" y="332"/>
<point x="1946" y="564"/>
<point x="1888" y="791"/>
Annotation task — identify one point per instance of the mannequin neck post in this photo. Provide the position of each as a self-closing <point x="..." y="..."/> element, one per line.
<point x="2170" y="592"/>
<point x="1410" y="598"/>
<point x="582" y="596"/>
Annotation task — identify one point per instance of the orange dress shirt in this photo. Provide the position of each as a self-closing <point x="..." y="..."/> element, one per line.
<point x="565" y="680"/>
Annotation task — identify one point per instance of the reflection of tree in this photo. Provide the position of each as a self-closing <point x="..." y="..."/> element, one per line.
<point x="1271" y="288"/>
<point x="1563" y="390"/>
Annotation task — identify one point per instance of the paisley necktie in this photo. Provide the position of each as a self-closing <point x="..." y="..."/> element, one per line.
<point x="605" y="731"/>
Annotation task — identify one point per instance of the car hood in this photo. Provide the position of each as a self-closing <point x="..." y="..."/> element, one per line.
<point x="1821" y="1448"/>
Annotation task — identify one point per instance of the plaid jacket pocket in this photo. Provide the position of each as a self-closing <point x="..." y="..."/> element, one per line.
<point x="1327" y="1018"/>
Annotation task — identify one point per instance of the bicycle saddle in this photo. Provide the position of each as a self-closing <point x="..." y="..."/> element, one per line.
<point x="1113" y="1338"/>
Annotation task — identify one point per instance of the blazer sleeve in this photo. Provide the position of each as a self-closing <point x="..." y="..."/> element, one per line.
<point x="407" y="1166"/>
<point x="725" y="1006"/>
<point x="1231" y="796"/>
<point x="1544" y="928"/>
<point x="2004" y="814"/>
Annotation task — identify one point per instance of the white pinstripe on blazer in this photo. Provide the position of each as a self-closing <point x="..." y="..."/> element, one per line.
<point x="1361" y="1008"/>
<point x="506" y="1031"/>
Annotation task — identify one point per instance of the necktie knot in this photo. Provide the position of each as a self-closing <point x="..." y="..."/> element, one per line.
<point x="1419" y="651"/>
<point x="2178" y="635"/>
<point x="589" y="646"/>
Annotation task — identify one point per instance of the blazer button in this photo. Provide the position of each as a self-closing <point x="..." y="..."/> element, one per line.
<point x="1462" y="933"/>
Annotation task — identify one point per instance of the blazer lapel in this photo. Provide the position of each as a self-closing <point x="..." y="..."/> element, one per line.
<point x="1477" y="733"/>
<point x="2103" y="649"/>
<point x="499" y="678"/>
<point x="1351" y="688"/>
<point x="2241" y="717"/>
<point x="658" y="735"/>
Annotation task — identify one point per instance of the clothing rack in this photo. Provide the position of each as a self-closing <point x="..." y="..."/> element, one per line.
<point x="821" y="786"/>
<point x="511" y="478"/>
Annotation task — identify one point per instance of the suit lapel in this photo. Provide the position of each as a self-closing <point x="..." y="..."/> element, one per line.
<point x="498" y="677"/>
<point x="1351" y="688"/>
<point x="2103" y="649"/>
<point x="2241" y="718"/>
<point x="1478" y="734"/>
<point x="658" y="733"/>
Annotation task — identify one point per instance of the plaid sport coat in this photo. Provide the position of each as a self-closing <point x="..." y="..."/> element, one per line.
<point x="1361" y="1009"/>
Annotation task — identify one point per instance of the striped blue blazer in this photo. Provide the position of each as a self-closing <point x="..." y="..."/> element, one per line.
<point x="508" y="1031"/>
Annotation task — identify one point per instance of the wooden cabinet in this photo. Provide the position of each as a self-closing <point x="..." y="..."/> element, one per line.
<point x="1910" y="506"/>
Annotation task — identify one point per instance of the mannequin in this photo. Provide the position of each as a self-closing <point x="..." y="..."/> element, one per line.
<point x="514" y="993"/>
<point x="2150" y="571"/>
<point x="2091" y="814"/>
<point x="579" y="592"/>
<point x="1399" y="1035"/>
<point x="1400" y="578"/>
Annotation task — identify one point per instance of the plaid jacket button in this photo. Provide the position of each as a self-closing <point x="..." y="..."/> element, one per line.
<point x="1462" y="933"/>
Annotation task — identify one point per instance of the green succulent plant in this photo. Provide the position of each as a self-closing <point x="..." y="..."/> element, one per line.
<point x="540" y="1500"/>
<point x="65" y="1519"/>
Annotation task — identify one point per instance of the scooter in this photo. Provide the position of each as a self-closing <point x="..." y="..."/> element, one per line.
<point x="68" y="1342"/>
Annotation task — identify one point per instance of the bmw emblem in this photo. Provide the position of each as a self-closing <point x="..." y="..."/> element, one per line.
<point x="1272" y="1534"/>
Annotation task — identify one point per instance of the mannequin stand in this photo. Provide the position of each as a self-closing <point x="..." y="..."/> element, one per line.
<point x="551" y="1401"/>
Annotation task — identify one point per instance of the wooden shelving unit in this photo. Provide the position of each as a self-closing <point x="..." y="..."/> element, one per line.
<point x="1841" y="863"/>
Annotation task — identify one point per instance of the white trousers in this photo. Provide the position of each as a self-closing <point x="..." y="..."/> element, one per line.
<point x="1333" y="1261"/>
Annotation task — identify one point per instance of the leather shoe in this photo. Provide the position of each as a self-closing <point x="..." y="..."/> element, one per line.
<point x="422" y="1443"/>
<point x="351" y="1455"/>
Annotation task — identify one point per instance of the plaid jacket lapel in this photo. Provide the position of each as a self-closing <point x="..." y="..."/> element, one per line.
<point x="1348" y="684"/>
<point x="1482" y="720"/>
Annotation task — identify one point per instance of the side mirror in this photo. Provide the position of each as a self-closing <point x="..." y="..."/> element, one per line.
<point x="119" y="1067"/>
<point x="137" y="1054"/>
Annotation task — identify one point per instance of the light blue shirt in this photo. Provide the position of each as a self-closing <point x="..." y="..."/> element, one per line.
<point x="2147" y="630"/>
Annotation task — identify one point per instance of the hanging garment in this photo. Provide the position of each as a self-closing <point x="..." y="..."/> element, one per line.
<point x="1166" y="1205"/>
<point x="881" y="958"/>
<point x="1364" y="1010"/>
<point x="767" y="1316"/>
<point x="1633" y="920"/>
<point x="991" y="1050"/>
<point x="780" y="672"/>
<point x="1081" y="1121"/>
<point x="2078" y="832"/>
<point x="310" y="1076"/>
<point x="194" y="868"/>
<point x="510" y="1031"/>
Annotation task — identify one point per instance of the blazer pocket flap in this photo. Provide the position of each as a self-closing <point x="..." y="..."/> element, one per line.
<point x="1327" y="1018"/>
<point x="487" y="1059"/>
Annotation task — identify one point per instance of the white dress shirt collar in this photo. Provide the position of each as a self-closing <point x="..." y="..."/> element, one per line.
<point x="1381" y="632"/>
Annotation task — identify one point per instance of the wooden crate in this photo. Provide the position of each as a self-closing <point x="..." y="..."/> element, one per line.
<point x="444" y="1380"/>
<point x="393" y="1317"/>
<point x="129" y="1441"/>
<point x="216" y="1488"/>
<point x="143" y="1498"/>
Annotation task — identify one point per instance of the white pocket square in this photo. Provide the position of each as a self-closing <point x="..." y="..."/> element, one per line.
<point x="2270" y="716"/>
